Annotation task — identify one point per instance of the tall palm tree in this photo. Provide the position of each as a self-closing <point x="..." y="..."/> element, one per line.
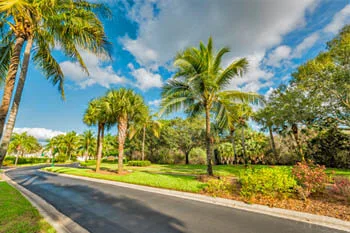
<point x="70" y="23"/>
<point x="125" y="107"/>
<point x="95" y="114"/>
<point x="199" y="85"/>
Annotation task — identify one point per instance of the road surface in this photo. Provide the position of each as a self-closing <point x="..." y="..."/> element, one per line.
<point x="104" y="208"/>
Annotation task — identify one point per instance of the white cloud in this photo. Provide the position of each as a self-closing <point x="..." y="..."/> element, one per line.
<point x="155" y="103"/>
<point x="99" y="73"/>
<point x="39" y="133"/>
<point x="276" y="56"/>
<point x="306" y="44"/>
<point x="340" y="19"/>
<point x="249" y="28"/>
<point x="145" y="79"/>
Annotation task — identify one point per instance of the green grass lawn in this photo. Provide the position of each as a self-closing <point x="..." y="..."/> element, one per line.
<point x="168" y="181"/>
<point x="17" y="215"/>
<point x="220" y="170"/>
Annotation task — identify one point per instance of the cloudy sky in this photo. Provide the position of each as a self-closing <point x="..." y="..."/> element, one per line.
<point x="275" y="35"/>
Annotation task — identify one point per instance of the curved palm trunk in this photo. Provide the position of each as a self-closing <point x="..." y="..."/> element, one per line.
<point x="98" y="139"/>
<point x="122" y="127"/>
<point x="100" y="146"/>
<point x="208" y="142"/>
<point x="232" y="132"/>
<point x="273" y="145"/>
<point x="143" y="142"/>
<point x="10" y="82"/>
<point x="17" y="99"/>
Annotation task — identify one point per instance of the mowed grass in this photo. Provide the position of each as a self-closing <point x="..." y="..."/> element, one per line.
<point x="220" y="170"/>
<point x="17" y="215"/>
<point x="176" y="182"/>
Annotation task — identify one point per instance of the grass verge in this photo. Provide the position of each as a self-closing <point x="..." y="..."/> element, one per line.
<point x="168" y="181"/>
<point x="17" y="215"/>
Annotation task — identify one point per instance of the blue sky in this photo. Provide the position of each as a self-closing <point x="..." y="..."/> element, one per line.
<point x="276" y="36"/>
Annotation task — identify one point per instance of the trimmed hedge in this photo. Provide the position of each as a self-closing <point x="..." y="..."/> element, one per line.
<point x="139" y="163"/>
<point x="21" y="160"/>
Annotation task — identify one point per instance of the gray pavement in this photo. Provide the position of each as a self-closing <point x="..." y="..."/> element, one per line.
<point x="105" y="208"/>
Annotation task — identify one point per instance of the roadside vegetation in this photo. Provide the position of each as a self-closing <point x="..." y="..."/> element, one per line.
<point x="18" y="215"/>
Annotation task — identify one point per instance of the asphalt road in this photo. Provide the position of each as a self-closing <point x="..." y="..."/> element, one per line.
<point x="103" y="208"/>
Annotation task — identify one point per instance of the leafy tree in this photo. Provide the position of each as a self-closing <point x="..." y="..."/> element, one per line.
<point x="124" y="107"/>
<point x="87" y="143"/>
<point x="70" y="23"/>
<point x="70" y="141"/>
<point x="199" y="85"/>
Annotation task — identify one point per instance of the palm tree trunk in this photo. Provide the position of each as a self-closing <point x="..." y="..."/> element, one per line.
<point x="208" y="141"/>
<point x="122" y="127"/>
<point x="143" y="142"/>
<point x="16" y="159"/>
<point x="100" y="146"/>
<point x="10" y="81"/>
<point x="232" y="132"/>
<point x="98" y="139"/>
<point x="243" y="147"/>
<point x="17" y="99"/>
<point x="273" y="145"/>
<point x="296" y="137"/>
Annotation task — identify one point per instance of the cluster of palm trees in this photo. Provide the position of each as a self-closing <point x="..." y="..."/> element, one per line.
<point x="40" y="26"/>
<point x="22" y="143"/>
<point x="122" y="107"/>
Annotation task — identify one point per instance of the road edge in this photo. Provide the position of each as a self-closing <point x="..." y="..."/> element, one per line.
<point x="256" y="208"/>
<point x="46" y="210"/>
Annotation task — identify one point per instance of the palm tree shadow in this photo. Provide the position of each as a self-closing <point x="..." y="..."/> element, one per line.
<point x="99" y="211"/>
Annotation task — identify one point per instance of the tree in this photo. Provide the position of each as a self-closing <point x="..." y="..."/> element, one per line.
<point x="72" y="24"/>
<point x="199" y="85"/>
<point x="70" y="141"/>
<point x="24" y="143"/>
<point x="124" y="107"/>
<point x="96" y="115"/>
<point x="87" y="143"/>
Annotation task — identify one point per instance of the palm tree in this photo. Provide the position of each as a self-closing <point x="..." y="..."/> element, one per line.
<point x="95" y="114"/>
<point x="70" y="140"/>
<point x="199" y="85"/>
<point x="72" y="24"/>
<point x="110" y="144"/>
<point x="87" y="143"/>
<point x="146" y="122"/>
<point x="124" y="107"/>
<point x="24" y="143"/>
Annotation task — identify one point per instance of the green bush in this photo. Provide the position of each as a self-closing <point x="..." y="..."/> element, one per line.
<point x="139" y="163"/>
<point x="61" y="158"/>
<point x="219" y="187"/>
<point x="9" y="160"/>
<point x="275" y="182"/>
<point x="198" y="156"/>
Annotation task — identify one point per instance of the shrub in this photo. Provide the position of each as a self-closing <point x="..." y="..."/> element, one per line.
<point x="275" y="182"/>
<point x="61" y="158"/>
<point x="197" y="156"/>
<point x="9" y="160"/>
<point x="219" y="187"/>
<point x="139" y="163"/>
<point x="341" y="187"/>
<point x="311" y="178"/>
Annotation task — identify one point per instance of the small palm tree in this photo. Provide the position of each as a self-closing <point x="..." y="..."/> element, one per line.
<point x="124" y="107"/>
<point x="24" y="143"/>
<point x="199" y="85"/>
<point x="87" y="143"/>
<point x="70" y="141"/>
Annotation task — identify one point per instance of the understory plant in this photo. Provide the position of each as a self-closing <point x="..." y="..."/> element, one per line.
<point x="341" y="187"/>
<point x="220" y="187"/>
<point x="272" y="182"/>
<point x="311" y="178"/>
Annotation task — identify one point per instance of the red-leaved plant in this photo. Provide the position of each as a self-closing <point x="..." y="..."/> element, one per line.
<point x="310" y="177"/>
<point x="341" y="187"/>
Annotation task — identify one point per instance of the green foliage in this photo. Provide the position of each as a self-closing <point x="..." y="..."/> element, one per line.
<point x="23" y="143"/>
<point x="197" y="156"/>
<point x="61" y="158"/>
<point x="23" y="160"/>
<point x="275" y="182"/>
<point x="311" y="178"/>
<point x="139" y="163"/>
<point x="330" y="148"/>
<point x="219" y="187"/>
